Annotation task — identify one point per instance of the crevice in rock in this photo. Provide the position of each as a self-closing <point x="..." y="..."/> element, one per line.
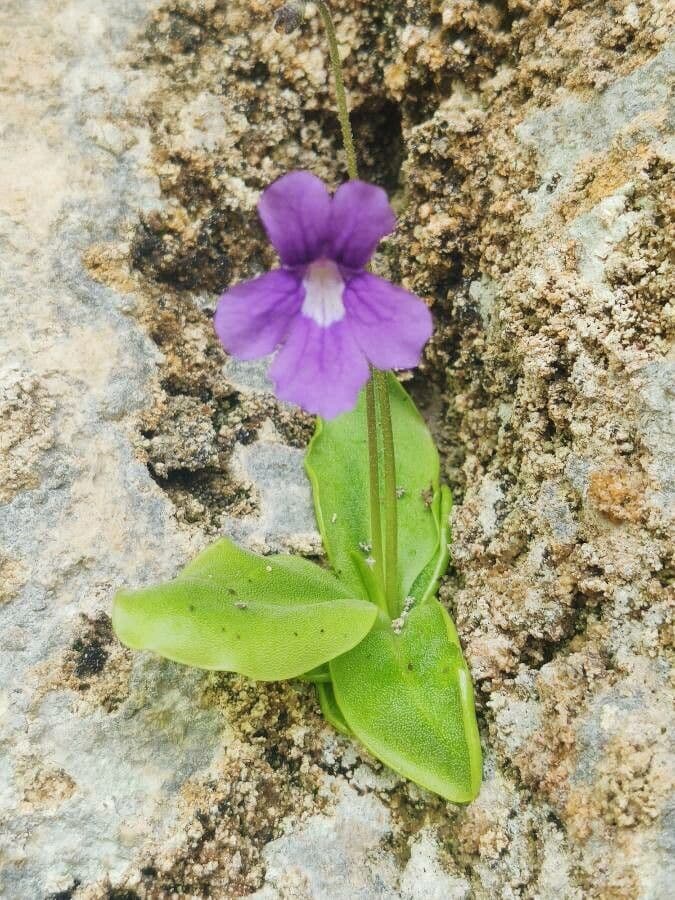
<point x="66" y="894"/>
<point x="205" y="496"/>
<point x="377" y="127"/>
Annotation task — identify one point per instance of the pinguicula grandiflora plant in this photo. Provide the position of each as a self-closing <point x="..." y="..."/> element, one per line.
<point x="369" y="632"/>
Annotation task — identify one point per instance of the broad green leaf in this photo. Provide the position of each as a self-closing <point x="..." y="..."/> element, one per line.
<point x="269" y="618"/>
<point x="331" y="711"/>
<point x="337" y="465"/>
<point x="408" y="698"/>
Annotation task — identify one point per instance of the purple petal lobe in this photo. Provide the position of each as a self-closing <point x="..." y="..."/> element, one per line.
<point x="320" y="369"/>
<point x="360" y="218"/>
<point x="390" y="325"/>
<point x="295" y="211"/>
<point x="254" y="317"/>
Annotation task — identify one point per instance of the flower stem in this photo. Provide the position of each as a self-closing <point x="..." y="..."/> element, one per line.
<point x="385" y="553"/>
<point x="374" y="487"/>
<point x="390" y="510"/>
<point x="340" y="93"/>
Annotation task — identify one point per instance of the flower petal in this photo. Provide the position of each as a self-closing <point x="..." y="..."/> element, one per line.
<point x="390" y="325"/>
<point x="320" y="369"/>
<point x="360" y="218"/>
<point x="295" y="211"/>
<point x="254" y="317"/>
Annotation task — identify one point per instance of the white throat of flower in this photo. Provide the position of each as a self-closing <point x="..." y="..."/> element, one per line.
<point x="324" y="287"/>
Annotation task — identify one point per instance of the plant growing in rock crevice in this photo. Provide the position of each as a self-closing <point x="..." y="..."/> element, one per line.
<point x="371" y="634"/>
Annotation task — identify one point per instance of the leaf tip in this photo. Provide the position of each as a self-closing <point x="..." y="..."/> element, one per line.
<point x="124" y="620"/>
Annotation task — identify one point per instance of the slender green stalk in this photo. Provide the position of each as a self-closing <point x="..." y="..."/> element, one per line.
<point x="390" y="510"/>
<point x="340" y="93"/>
<point x="386" y="563"/>
<point x="374" y="486"/>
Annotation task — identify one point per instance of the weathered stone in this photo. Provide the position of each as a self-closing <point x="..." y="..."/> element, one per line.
<point x="528" y="150"/>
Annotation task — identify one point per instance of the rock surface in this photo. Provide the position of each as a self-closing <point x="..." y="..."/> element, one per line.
<point x="527" y="147"/>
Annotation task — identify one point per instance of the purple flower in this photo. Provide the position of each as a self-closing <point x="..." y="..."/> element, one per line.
<point x="329" y="316"/>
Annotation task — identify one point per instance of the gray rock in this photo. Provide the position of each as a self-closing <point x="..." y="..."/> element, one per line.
<point x="134" y="142"/>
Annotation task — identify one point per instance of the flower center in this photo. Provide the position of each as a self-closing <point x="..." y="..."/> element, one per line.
<point x="324" y="287"/>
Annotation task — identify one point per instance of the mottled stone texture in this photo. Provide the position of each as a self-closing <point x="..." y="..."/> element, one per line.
<point x="526" y="147"/>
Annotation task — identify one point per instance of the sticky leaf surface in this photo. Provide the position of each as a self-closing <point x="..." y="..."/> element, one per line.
<point x="409" y="699"/>
<point x="269" y="618"/>
<point x="337" y="465"/>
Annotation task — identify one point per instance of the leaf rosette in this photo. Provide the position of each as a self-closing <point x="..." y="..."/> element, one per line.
<point x="399" y="684"/>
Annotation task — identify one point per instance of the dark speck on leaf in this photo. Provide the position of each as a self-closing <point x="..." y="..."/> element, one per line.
<point x="410" y="667"/>
<point x="428" y="496"/>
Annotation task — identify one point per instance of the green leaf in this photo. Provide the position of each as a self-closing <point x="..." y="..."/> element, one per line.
<point x="269" y="618"/>
<point x="337" y="465"/>
<point x="320" y="675"/>
<point x="331" y="711"/>
<point x="427" y="582"/>
<point x="409" y="699"/>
